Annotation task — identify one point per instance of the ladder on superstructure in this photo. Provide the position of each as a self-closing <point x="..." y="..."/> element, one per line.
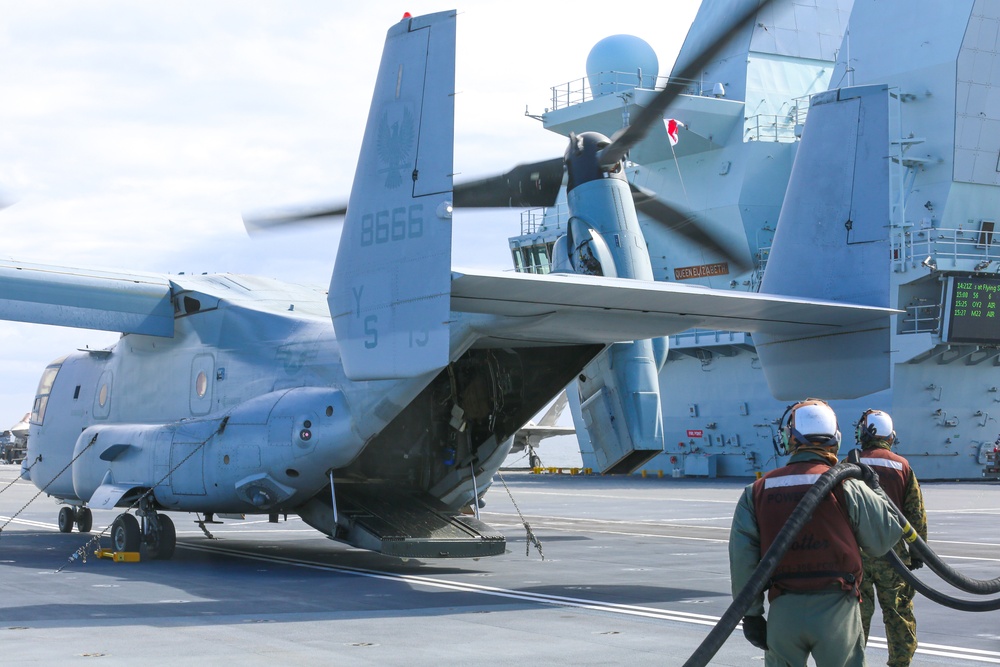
<point x="902" y="173"/>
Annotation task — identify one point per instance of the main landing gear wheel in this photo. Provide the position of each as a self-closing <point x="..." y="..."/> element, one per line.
<point x="125" y="533"/>
<point x="66" y="519"/>
<point x="161" y="538"/>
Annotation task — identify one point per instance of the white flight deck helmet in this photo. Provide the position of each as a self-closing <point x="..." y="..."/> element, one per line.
<point x="875" y="425"/>
<point x="810" y="422"/>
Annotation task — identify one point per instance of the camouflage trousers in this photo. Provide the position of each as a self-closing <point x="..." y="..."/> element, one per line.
<point x="895" y="597"/>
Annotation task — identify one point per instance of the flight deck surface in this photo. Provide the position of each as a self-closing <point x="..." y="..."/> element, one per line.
<point x="635" y="572"/>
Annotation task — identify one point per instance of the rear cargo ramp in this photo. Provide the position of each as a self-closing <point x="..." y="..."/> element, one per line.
<point x="409" y="523"/>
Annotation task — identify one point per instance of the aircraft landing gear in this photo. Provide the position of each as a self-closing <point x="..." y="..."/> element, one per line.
<point x="81" y="517"/>
<point x="65" y="519"/>
<point x="534" y="461"/>
<point x="160" y="536"/>
<point x="125" y="533"/>
<point x="155" y="537"/>
<point x="84" y="520"/>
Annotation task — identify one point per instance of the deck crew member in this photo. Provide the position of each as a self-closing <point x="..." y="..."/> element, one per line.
<point x="813" y="594"/>
<point x="876" y="436"/>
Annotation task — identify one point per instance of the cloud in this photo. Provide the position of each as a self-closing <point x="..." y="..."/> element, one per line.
<point x="134" y="135"/>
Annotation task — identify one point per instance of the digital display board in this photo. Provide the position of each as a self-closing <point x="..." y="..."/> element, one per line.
<point x="973" y="305"/>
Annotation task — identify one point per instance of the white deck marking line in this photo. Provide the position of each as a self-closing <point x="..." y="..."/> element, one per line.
<point x="578" y="603"/>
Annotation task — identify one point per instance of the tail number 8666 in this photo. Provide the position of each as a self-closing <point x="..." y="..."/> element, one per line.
<point x="398" y="224"/>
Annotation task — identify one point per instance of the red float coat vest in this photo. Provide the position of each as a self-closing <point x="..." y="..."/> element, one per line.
<point x="893" y="471"/>
<point x="825" y="554"/>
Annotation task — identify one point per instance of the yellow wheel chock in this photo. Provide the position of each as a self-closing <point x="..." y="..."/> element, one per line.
<point x="118" y="556"/>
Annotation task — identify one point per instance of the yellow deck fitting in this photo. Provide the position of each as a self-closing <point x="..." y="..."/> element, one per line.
<point x="118" y="556"/>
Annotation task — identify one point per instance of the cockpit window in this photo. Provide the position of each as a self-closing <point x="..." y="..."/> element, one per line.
<point x="44" y="389"/>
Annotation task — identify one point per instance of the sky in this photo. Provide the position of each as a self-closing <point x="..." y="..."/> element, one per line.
<point x="134" y="135"/>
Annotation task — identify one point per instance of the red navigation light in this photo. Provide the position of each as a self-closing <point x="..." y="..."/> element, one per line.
<point x="406" y="15"/>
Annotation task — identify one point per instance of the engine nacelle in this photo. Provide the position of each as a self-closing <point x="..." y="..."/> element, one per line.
<point x="582" y="250"/>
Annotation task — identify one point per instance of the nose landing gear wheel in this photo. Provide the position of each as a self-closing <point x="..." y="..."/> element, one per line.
<point x="84" y="520"/>
<point x="66" y="520"/>
<point x="162" y="538"/>
<point x="125" y="533"/>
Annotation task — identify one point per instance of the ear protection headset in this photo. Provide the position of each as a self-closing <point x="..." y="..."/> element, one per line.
<point x="874" y="425"/>
<point x="790" y="438"/>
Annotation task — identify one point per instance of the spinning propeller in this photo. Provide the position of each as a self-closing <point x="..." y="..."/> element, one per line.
<point x="589" y="156"/>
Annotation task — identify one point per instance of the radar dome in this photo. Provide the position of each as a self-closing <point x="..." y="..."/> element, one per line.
<point x="619" y="63"/>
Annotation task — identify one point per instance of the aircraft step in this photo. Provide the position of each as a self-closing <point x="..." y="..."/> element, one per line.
<point x="409" y="523"/>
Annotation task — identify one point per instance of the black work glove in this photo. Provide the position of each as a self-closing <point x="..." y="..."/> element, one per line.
<point x="915" y="563"/>
<point x="869" y="475"/>
<point x="755" y="630"/>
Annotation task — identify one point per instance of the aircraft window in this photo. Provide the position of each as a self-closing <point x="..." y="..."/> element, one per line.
<point x="201" y="384"/>
<point x="102" y="396"/>
<point x="38" y="409"/>
<point x="44" y="389"/>
<point x="48" y="378"/>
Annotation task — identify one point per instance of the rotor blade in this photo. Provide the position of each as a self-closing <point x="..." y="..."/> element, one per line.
<point x="684" y="223"/>
<point x="526" y="185"/>
<point x="625" y="139"/>
<point x="264" y="223"/>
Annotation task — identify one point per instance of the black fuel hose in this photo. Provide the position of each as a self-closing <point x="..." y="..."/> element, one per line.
<point x="932" y="560"/>
<point x="765" y="568"/>
<point x="937" y="596"/>
<point x="947" y="572"/>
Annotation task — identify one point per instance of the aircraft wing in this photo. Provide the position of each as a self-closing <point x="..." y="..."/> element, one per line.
<point x="572" y="309"/>
<point x="86" y="298"/>
<point x="541" y="432"/>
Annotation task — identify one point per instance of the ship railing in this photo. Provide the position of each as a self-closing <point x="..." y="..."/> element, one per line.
<point x="759" y="265"/>
<point x="579" y="91"/>
<point x="944" y="248"/>
<point x="924" y="318"/>
<point x="535" y="220"/>
<point x="767" y="127"/>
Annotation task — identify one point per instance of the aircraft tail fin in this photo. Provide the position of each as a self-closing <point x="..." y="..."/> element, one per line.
<point x="390" y="291"/>
<point x="832" y="242"/>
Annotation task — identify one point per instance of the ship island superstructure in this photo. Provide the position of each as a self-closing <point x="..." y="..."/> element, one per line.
<point x="738" y="130"/>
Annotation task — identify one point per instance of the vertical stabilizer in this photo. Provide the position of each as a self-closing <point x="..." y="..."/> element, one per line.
<point x="832" y="242"/>
<point x="390" y="291"/>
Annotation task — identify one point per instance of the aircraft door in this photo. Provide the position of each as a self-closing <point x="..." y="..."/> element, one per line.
<point x="187" y="465"/>
<point x="202" y="384"/>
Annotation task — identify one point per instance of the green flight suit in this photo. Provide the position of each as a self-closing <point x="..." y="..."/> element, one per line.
<point x="826" y="625"/>
<point x="895" y="596"/>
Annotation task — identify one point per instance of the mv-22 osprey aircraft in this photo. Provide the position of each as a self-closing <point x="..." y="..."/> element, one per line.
<point x="379" y="411"/>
